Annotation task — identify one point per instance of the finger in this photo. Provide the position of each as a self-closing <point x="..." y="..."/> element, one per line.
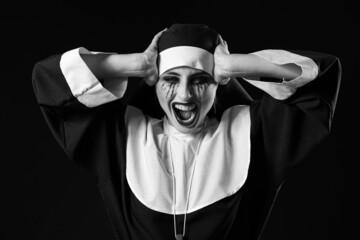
<point x="157" y="36"/>
<point x="224" y="81"/>
<point x="154" y="41"/>
<point x="221" y="39"/>
<point x="151" y="81"/>
<point x="226" y="46"/>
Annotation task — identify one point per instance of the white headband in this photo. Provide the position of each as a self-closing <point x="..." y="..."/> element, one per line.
<point x="194" y="57"/>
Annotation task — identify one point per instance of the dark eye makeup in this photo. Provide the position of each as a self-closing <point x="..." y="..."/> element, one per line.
<point x="200" y="80"/>
<point x="171" y="79"/>
<point x="196" y="79"/>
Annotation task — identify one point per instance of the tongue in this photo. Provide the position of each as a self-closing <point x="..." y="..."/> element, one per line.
<point x="185" y="115"/>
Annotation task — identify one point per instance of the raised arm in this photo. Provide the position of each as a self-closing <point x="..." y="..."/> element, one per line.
<point x="296" y="111"/>
<point x="288" y="71"/>
<point x="98" y="78"/>
<point x="76" y="92"/>
<point x="108" y="66"/>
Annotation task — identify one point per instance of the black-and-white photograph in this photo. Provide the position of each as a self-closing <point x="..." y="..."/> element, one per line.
<point x="197" y="121"/>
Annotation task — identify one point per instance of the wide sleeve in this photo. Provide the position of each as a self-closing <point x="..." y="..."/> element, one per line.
<point x="86" y="118"/>
<point x="287" y="130"/>
<point x="281" y="88"/>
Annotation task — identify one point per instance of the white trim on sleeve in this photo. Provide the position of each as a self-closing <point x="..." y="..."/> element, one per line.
<point x="83" y="83"/>
<point x="285" y="89"/>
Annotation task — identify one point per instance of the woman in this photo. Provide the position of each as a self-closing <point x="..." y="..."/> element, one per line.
<point x="191" y="155"/>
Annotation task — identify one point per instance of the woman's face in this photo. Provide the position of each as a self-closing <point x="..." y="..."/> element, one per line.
<point x="186" y="95"/>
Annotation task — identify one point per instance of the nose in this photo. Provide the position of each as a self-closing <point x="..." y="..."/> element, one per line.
<point x="184" y="91"/>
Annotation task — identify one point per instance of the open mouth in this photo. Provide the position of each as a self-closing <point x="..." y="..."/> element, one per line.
<point x="185" y="113"/>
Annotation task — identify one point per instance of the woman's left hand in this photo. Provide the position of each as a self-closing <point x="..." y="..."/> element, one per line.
<point x="220" y="55"/>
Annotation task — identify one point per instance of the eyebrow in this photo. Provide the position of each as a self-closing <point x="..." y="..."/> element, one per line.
<point x="172" y="73"/>
<point x="196" y="74"/>
<point x="201" y="74"/>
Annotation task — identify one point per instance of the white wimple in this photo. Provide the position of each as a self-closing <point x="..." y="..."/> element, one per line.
<point x="222" y="163"/>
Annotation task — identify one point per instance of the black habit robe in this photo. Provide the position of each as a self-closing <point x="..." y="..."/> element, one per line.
<point x="283" y="133"/>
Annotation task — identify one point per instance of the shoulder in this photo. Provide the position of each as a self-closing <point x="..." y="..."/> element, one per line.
<point x="236" y="119"/>
<point x="140" y="124"/>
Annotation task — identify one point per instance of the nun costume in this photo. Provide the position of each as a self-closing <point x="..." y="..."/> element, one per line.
<point x="217" y="182"/>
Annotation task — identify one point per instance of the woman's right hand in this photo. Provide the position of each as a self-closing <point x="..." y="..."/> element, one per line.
<point x="149" y="57"/>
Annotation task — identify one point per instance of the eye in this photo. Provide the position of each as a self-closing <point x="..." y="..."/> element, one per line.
<point x="170" y="79"/>
<point x="200" y="80"/>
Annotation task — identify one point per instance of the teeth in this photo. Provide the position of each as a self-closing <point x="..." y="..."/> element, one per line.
<point x="183" y="107"/>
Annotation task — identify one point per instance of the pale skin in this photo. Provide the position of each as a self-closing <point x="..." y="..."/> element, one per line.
<point x="187" y="94"/>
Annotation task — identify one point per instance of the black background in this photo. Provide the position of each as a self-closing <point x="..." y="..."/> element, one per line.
<point x="45" y="196"/>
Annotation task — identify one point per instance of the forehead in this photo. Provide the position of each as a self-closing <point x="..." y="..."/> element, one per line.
<point x="184" y="71"/>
